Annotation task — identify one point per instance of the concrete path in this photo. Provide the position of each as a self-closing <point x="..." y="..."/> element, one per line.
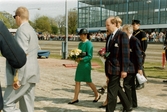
<point x="56" y="89"/>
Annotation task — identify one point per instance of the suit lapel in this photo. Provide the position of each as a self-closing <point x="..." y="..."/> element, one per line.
<point x="114" y="38"/>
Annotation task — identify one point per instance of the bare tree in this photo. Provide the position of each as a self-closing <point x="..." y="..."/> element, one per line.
<point x="60" y="23"/>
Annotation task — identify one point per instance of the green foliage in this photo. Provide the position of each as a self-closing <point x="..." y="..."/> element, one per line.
<point x="42" y="24"/>
<point x="32" y="24"/>
<point x="72" y="21"/>
<point x="54" y="29"/>
<point x="45" y="24"/>
<point x="5" y="20"/>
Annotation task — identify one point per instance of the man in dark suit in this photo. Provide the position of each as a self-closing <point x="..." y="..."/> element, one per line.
<point x="11" y="50"/>
<point x="141" y="35"/>
<point x="116" y="64"/>
<point x="135" y="65"/>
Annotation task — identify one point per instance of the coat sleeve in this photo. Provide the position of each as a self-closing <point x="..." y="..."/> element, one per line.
<point x="143" y="41"/>
<point x="138" y="53"/>
<point x="10" y="49"/>
<point x="125" y="52"/>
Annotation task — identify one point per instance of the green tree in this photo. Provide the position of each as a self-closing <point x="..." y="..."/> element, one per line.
<point x="54" y="29"/>
<point x="42" y="24"/>
<point x="53" y="24"/>
<point x="72" y="21"/>
<point x="4" y="19"/>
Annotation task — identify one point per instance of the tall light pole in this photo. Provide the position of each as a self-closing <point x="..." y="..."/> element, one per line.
<point x="34" y="8"/>
<point x="66" y="39"/>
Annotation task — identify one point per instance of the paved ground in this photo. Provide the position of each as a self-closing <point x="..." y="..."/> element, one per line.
<point x="56" y="89"/>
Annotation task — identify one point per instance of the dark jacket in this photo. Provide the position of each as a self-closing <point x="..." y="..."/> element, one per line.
<point x="141" y="35"/>
<point x="10" y="49"/>
<point x="135" y="55"/>
<point x="118" y="59"/>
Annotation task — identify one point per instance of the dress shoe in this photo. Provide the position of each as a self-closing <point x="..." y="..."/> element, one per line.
<point x="76" y="101"/>
<point x="134" y="106"/>
<point x="102" y="106"/>
<point x="140" y="87"/>
<point x="97" y="99"/>
<point x="101" y="90"/>
<point x="127" y="110"/>
<point x="165" y="81"/>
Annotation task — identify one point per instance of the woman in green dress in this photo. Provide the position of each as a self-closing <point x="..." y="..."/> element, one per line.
<point x="83" y="71"/>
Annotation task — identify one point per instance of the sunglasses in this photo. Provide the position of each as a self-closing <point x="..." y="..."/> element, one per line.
<point x="14" y="16"/>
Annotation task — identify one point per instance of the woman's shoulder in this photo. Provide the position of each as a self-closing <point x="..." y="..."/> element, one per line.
<point x="89" y="42"/>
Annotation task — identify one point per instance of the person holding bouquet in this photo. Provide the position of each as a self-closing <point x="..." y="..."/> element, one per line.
<point x="83" y="71"/>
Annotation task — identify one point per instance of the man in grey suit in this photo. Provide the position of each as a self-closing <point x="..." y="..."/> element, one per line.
<point x="11" y="50"/>
<point x="21" y="82"/>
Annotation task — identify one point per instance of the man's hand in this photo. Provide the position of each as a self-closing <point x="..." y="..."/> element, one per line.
<point x="16" y="85"/>
<point x="140" y="72"/>
<point x="78" y="60"/>
<point x="123" y="74"/>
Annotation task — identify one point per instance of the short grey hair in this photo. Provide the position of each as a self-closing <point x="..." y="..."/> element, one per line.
<point x="128" y="28"/>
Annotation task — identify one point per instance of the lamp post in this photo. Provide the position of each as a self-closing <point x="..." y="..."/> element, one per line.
<point x="34" y="8"/>
<point x="66" y="39"/>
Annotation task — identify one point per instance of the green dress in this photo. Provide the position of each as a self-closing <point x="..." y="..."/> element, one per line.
<point x="83" y="71"/>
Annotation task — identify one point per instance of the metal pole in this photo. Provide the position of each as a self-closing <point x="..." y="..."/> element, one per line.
<point x="159" y="13"/>
<point x="127" y="10"/>
<point x="101" y="13"/>
<point x="66" y="39"/>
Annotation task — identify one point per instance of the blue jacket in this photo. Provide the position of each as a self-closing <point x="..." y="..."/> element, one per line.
<point x="10" y="49"/>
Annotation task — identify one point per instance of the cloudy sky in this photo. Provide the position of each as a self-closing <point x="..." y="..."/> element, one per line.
<point x="51" y="8"/>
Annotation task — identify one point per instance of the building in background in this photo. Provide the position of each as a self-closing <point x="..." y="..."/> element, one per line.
<point x="93" y="13"/>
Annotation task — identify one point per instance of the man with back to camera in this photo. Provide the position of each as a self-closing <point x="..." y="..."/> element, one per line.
<point x="135" y="66"/>
<point x="141" y="35"/>
<point x="21" y="87"/>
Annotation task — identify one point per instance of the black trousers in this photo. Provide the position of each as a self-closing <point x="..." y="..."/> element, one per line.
<point x="130" y="89"/>
<point x="137" y="82"/>
<point x="113" y="90"/>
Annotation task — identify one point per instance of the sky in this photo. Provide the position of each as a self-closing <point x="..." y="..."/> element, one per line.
<point x="51" y="8"/>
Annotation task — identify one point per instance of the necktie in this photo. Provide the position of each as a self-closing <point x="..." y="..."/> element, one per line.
<point x="108" y="43"/>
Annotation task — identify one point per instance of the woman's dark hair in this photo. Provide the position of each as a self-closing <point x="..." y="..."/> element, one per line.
<point x="88" y="36"/>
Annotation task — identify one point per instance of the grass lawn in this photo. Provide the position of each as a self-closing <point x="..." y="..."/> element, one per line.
<point x="153" y="70"/>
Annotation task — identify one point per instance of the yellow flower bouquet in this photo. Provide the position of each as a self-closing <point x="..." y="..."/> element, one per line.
<point x="76" y="53"/>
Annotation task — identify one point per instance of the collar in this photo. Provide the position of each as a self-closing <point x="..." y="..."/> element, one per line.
<point x="136" y="30"/>
<point x="115" y="32"/>
<point x="130" y="36"/>
<point x="23" y="23"/>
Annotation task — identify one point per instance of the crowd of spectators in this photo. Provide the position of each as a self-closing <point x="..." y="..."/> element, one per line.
<point x="100" y="37"/>
<point x="155" y="36"/>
